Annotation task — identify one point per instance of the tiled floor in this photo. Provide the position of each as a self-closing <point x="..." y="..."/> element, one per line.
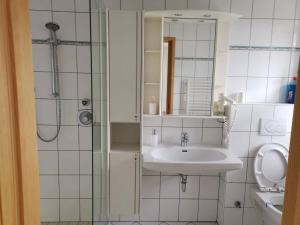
<point x="66" y="223"/>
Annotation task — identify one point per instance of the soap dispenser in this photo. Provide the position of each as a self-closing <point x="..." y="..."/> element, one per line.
<point x="154" y="138"/>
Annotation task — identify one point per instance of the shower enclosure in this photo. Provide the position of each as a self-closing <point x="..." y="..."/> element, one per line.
<point x="66" y="169"/>
<point x="100" y="110"/>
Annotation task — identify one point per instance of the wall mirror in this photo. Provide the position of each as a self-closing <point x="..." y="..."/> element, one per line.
<point x="188" y="65"/>
<point x="185" y="58"/>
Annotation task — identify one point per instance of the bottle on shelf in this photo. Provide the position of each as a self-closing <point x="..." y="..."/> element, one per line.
<point x="291" y="91"/>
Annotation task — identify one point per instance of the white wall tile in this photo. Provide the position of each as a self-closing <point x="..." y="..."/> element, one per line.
<point x="38" y="19"/>
<point x="242" y="7"/>
<point x="68" y="85"/>
<point x="263" y="8"/>
<point x="176" y="4"/>
<point x="84" y="86"/>
<point x="202" y="69"/>
<point x="204" y="32"/>
<point x="83" y="59"/>
<point x="152" y="122"/>
<point x="50" y="210"/>
<point x="233" y="216"/>
<point x="243" y="118"/>
<point x="212" y="123"/>
<point x="69" y="209"/>
<point x="149" y="209"/>
<point x="296" y="40"/>
<point x="171" y="135"/>
<point x="238" y="63"/>
<point x="234" y="193"/>
<point x="258" y="63"/>
<point x="63" y="5"/>
<point x="40" y="5"/>
<point x="48" y="162"/>
<point x="46" y="111"/>
<point x="238" y="175"/>
<point x="256" y="141"/>
<point x="235" y="85"/>
<point x="86" y="162"/>
<point x="249" y="195"/>
<point x="261" y="111"/>
<point x="256" y="89"/>
<point x="194" y="134"/>
<point x="261" y="32"/>
<point x="282" y="35"/>
<point x="68" y="162"/>
<point x="49" y="186"/>
<point x="168" y="209"/>
<point x="43" y="87"/>
<point x="192" y="122"/>
<point x="190" y="32"/>
<point x="284" y="140"/>
<point x="277" y="90"/>
<point x="188" y="210"/>
<point x="298" y="10"/>
<point x="250" y="173"/>
<point x="85" y="138"/>
<point x="112" y="4"/>
<point x="240" y="32"/>
<point x="68" y="138"/>
<point x="47" y="131"/>
<point x="69" y="186"/>
<point x="192" y="188"/>
<point x="86" y="207"/>
<point x="251" y="217"/>
<point x="172" y="122"/>
<point x="150" y="186"/>
<point x="66" y="55"/>
<point x="279" y="64"/>
<point x="220" y="5"/>
<point x="285" y="9"/>
<point x="169" y="187"/>
<point x="82" y="27"/>
<point x="82" y="6"/>
<point x="207" y="210"/>
<point x="294" y="62"/>
<point x="154" y="4"/>
<point x="41" y="57"/>
<point x="285" y="112"/>
<point x="239" y="143"/>
<point x="131" y="4"/>
<point x="209" y="187"/>
<point x="212" y="136"/>
<point x="196" y="4"/>
<point x="86" y="187"/>
<point x="69" y="109"/>
<point x="66" y="21"/>
<point x="188" y="49"/>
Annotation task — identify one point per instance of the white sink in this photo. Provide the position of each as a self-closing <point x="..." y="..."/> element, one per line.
<point x="189" y="160"/>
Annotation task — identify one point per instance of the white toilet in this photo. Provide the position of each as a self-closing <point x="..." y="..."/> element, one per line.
<point x="270" y="167"/>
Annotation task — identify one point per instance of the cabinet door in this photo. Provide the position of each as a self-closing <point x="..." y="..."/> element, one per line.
<point x="125" y="65"/>
<point x="124" y="183"/>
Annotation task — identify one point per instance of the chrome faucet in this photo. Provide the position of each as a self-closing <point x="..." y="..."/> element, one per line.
<point x="184" y="139"/>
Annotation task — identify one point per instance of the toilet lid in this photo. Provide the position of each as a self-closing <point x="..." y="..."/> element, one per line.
<point x="270" y="167"/>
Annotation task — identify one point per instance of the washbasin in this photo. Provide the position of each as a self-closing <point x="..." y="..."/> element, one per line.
<point x="189" y="160"/>
<point x="188" y="155"/>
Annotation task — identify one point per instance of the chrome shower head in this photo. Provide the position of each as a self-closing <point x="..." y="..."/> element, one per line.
<point x="52" y="26"/>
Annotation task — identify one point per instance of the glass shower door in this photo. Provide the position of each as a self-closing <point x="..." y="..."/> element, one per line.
<point x="100" y="112"/>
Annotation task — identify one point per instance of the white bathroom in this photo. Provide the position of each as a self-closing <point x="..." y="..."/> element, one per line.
<point x="165" y="112"/>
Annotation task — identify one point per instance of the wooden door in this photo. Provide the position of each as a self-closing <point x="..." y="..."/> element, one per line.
<point x="19" y="183"/>
<point x="124" y="65"/>
<point x="291" y="211"/>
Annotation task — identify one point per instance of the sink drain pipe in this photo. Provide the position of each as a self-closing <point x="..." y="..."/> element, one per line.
<point x="183" y="182"/>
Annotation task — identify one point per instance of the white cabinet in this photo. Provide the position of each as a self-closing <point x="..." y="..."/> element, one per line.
<point x="125" y="65"/>
<point x="124" y="182"/>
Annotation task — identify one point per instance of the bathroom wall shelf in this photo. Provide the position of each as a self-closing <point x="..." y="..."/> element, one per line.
<point x="185" y="116"/>
<point x="125" y="147"/>
<point x="153" y="30"/>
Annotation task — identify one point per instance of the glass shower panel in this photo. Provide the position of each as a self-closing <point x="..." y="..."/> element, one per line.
<point x="100" y="123"/>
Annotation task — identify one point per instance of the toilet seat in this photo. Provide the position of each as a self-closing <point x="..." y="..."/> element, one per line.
<point x="270" y="167"/>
